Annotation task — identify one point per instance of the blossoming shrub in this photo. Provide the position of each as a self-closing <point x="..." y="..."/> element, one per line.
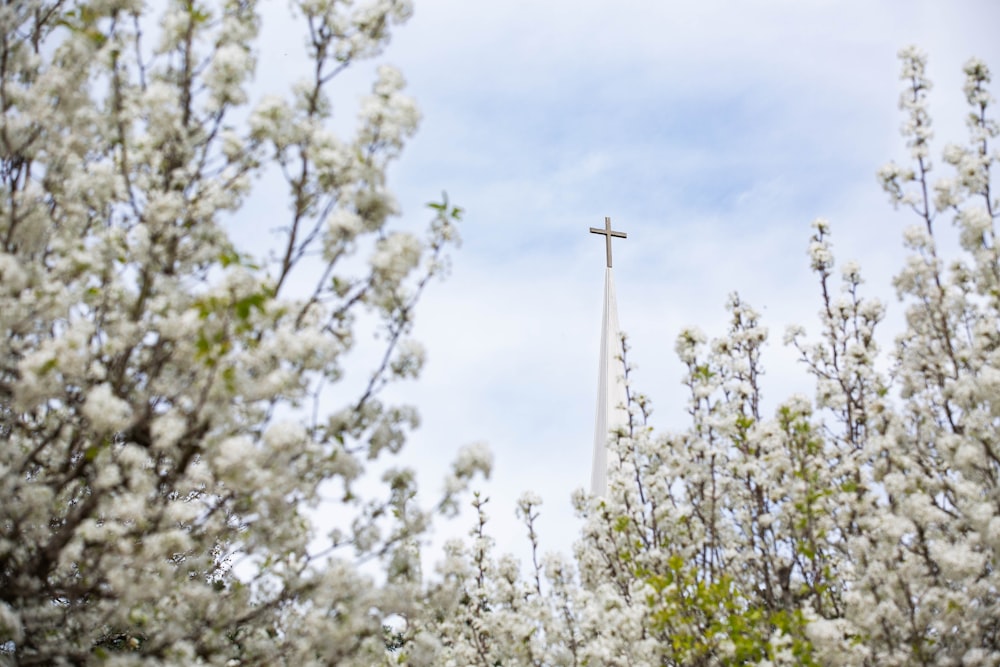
<point x="164" y="426"/>
<point x="858" y="527"/>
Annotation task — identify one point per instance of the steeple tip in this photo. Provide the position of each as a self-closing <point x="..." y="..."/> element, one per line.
<point x="611" y="411"/>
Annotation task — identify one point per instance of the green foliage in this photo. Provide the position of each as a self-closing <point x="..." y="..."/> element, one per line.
<point x="702" y="620"/>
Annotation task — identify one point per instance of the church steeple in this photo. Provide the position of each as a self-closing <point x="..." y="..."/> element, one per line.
<point x="611" y="398"/>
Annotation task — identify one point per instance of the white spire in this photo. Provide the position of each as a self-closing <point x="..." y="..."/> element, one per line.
<point x="611" y="396"/>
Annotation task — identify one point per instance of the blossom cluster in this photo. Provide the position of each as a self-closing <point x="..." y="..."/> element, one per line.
<point x="165" y="411"/>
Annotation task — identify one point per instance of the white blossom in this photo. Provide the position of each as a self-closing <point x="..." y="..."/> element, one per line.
<point x="395" y="256"/>
<point x="106" y="412"/>
<point x="474" y="458"/>
<point x="161" y="457"/>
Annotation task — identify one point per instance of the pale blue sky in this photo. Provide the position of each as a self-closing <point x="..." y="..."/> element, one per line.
<point x="712" y="132"/>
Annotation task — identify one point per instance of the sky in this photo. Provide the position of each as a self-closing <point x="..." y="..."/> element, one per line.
<point x="711" y="132"/>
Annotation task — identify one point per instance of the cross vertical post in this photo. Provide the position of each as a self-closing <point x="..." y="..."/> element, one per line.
<point x="607" y="236"/>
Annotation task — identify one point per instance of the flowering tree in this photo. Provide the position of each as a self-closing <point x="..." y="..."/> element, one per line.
<point x="164" y="424"/>
<point x="858" y="527"/>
